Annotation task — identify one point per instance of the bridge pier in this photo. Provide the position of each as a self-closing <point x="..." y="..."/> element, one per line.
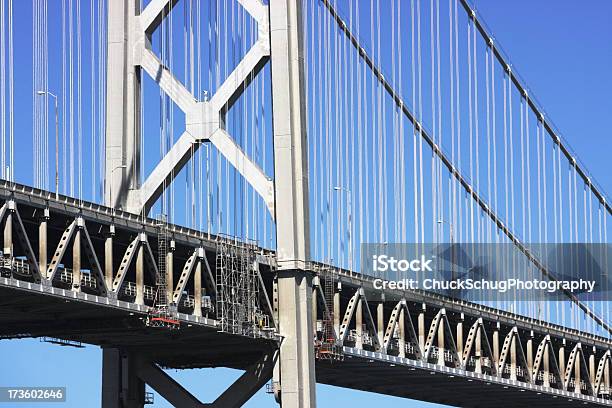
<point x="296" y="351"/>
<point x="121" y="387"/>
<point x="124" y="374"/>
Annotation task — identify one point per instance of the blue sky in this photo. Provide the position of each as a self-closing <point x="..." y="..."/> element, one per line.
<point x="561" y="49"/>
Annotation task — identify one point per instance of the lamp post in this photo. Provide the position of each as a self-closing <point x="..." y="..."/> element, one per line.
<point x="51" y="94"/>
<point x="350" y="222"/>
<point x="450" y="226"/>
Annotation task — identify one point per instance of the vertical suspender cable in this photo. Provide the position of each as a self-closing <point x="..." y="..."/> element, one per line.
<point x="92" y="73"/>
<point x="414" y="128"/>
<point x="452" y="183"/>
<point x="422" y="207"/>
<point x="457" y="203"/>
<point x="79" y="104"/>
<point x="476" y="182"/>
<point x="488" y="111"/>
<point x="11" y="175"/>
<point x="3" y="110"/>
<point x="471" y="108"/>
<point x="434" y="223"/>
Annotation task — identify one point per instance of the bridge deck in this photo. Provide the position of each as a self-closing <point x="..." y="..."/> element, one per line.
<point x="31" y="309"/>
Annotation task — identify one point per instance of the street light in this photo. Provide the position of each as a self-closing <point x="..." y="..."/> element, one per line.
<point x="110" y="187"/>
<point x="51" y="94"/>
<point x="450" y="226"/>
<point x="350" y="221"/>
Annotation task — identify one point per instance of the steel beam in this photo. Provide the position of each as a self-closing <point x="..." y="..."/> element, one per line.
<point x="130" y="53"/>
<point x="247" y="385"/>
<point x="166" y="386"/>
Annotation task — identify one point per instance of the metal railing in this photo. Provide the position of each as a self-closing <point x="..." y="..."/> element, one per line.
<point x="484" y="361"/>
<point x="572" y="384"/>
<point x="552" y="379"/>
<point x="435" y="353"/>
<point x="518" y="370"/>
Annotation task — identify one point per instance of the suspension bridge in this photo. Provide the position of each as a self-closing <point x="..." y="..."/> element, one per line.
<point x="201" y="176"/>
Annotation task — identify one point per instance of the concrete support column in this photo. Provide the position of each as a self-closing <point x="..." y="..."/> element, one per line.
<point x="513" y="358"/>
<point x="562" y="361"/>
<point x="42" y="242"/>
<point x="359" y="324"/>
<point x="606" y="375"/>
<point x="197" y="288"/>
<point x="140" y="276"/>
<point x="441" y="342"/>
<point x="108" y="257"/>
<point x="76" y="261"/>
<point x="592" y="367"/>
<point x="380" y="322"/>
<point x="8" y="235"/>
<point x="297" y="353"/>
<point x="529" y="352"/>
<point x="546" y="371"/>
<point x="121" y="387"/>
<point x="315" y="305"/>
<point x="421" y="324"/>
<point x="478" y="350"/>
<point x="496" y="347"/>
<point x="402" y="334"/>
<point x="123" y="150"/>
<point x="337" y="312"/>
<point x="460" y="335"/>
<point x="170" y="271"/>
<point x="577" y="377"/>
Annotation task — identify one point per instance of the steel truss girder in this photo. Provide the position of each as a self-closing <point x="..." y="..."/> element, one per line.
<point x="604" y="365"/>
<point x="25" y="242"/>
<point x="441" y="319"/>
<point x="67" y="237"/>
<point x="545" y="348"/>
<point x="577" y="368"/>
<point x="185" y="273"/>
<point x="93" y="262"/>
<point x="32" y="201"/>
<point x="203" y="118"/>
<point x="137" y="243"/>
<point x="10" y="207"/>
<point x="358" y="297"/>
<point x="401" y="311"/>
<point x="126" y="261"/>
<point x="477" y="334"/>
<point x="513" y="340"/>
<point x="62" y="245"/>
